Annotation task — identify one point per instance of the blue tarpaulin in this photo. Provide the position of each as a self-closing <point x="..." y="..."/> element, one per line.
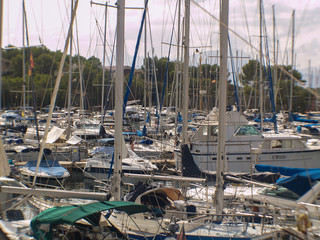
<point x="298" y="118"/>
<point x="300" y="180"/>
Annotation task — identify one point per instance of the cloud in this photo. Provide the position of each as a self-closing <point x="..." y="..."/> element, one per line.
<point x="49" y="21"/>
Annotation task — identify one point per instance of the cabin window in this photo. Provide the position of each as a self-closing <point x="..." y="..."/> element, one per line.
<point x="214" y="131"/>
<point x="286" y="143"/>
<point x="298" y="144"/>
<point x="266" y="145"/>
<point x="205" y="131"/>
<point x="247" y="130"/>
<point x="276" y="144"/>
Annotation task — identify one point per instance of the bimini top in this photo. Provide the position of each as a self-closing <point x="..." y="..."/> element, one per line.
<point x="70" y="214"/>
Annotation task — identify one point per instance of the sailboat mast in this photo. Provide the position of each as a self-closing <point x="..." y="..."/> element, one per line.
<point x="116" y="188"/>
<point x="4" y="164"/>
<point x="292" y="61"/>
<point x="223" y="79"/>
<point x="70" y="78"/>
<point x="186" y="73"/>
<point x="145" y="70"/>
<point x="54" y="94"/>
<point x="1" y="25"/>
<point x="104" y="62"/>
<point x="177" y="71"/>
<point x="274" y="53"/>
<point x="23" y="60"/>
<point x="260" y="72"/>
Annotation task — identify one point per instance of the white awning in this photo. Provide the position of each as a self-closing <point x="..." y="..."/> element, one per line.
<point x="54" y="134"/>
<point x="74" y="140"/>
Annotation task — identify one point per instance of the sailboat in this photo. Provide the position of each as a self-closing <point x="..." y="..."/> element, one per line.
<point x="171" y="212"/>
<point x="15" y="209"/>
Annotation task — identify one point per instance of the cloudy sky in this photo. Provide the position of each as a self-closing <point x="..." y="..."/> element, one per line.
<point x="48" y="23"/>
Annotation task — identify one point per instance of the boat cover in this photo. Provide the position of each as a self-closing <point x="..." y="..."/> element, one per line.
<point x="70" y="214"/>
<point x="300" y="180"/>
<point x="50" y="167"/>
<point x="103" y="149"/>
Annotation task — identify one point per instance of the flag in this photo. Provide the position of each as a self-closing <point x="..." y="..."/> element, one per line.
<point x="182" y="234"/>
<point x="31" y="66"/>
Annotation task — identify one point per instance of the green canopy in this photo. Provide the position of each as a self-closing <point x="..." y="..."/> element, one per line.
<point x="71" y="214"/>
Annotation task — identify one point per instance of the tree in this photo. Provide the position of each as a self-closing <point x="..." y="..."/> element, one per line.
<point x="251" y="72"/>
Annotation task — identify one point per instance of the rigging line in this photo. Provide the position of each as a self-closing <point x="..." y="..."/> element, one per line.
<point x="169" y="15"/>
<point x="209" y="29"/>
<point x="35" y="21"/>
<point x="51" y="77"/>
<point x="62" y="28"/>
<point x="110" y="75"/>
<point x="67" y="17"/>
<point x="198" y="34"/>
<point x="32" y="83"/>
<point x="244" y="12"/>
<point x="285" y="55"/>
<point x="302" y="19"/>
<point x="91" y="39"/>
<point x="54" y="95"/>
<point x="257" y="50"/>
<point x="153" y="62"/>
<point x="77" y="46"/>
<point x="134" y="60"/>
<point x="286" y="47"/>
<point x="234" y="75"/>
<point x="168" y="59"/>
<point x="101" y="34"/>
<point x="269" y="76"/>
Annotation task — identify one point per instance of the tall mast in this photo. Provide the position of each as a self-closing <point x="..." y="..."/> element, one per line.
<point x="119" y="101"/>
<point x="292" y="61"/>
<point x="186" y="73"/>
<point x="54" y="94"/>
<point x="23" y="59"/>
<point x="274" y="54"/>
<point x="145" y="69"/>
<point x="4" y="164"/>
<point x="104" y="63"/>
<point x="70" y="76"/>
<point x="177" y="70"/>
<point x="1" y="25"/>
<point x="223" y="78"/>
<point x="310" y="84"/>
<point x="261" y="77"/>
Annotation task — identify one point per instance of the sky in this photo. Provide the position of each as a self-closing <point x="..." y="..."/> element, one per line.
<point x="48" y="22"/>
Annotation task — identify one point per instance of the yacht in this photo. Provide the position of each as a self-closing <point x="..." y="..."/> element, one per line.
<point x="246" y="146"/>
